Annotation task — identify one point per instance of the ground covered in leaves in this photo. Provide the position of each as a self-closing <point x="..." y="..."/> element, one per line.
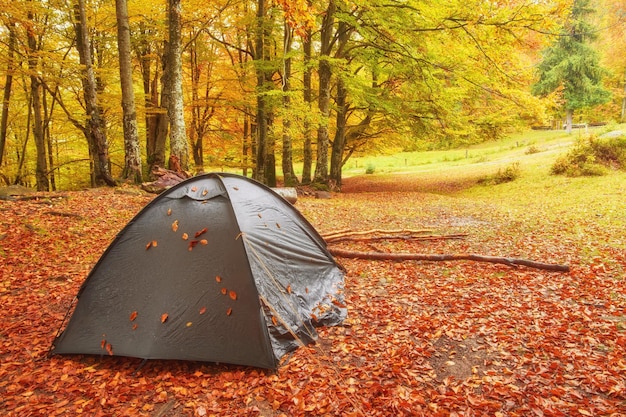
<point x="422" y="338"/>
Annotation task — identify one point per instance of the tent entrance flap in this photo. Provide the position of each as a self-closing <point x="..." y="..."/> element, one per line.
<point x="179" y="282"/>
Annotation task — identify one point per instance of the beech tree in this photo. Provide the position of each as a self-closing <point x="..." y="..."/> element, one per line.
<point x="132" y="156"/>
<point x="573" y="65"/>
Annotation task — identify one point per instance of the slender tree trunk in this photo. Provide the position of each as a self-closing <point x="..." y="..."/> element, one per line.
<point x="324" y="75"/>
<point x="155" y="146"/>
<point x="307" y="152"/>
<point x="179" y="146"/>
<point x="8" y="87"/>
<point x="289" y="175"/>
<point x="95" y="131"/>
<point x="569" y="117"/>
<point x="41" y="170"/>
<point x="194" y="132"/>
<point x="336" y="157"/>
<point x="263" y="171"/>
<point x="623" y="114"/>
<point x="132" y="155"/>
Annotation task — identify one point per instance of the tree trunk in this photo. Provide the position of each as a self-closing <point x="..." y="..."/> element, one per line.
<point x="307" y="152"/>
<point x="623" y="114"/>
<point x="175" y="109"/>
<point x="265" y="171"/>
<point x="132" y="155"/>
<point x="289" y="175"/>
<point x="569" y="117"/>
<point x="8" y="86"/>
<point x="336" y="157"/>
<point x="324" y="75"/>
<point x="41" y="170"/>
<point x="95" y="132"/>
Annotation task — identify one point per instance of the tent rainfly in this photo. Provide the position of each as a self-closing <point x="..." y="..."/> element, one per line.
<point x="218" y="268"/>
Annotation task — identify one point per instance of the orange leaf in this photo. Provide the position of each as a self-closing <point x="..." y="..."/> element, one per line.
<point x="134" y="326"/>
<point x="169" y="211"/>
<point x="201" y="232"/>
<point x="149" y="245"/>
<point x="274" y="321"/>
<point x="103" y="343"/>
<point x="289" y="288"/>
<point x="193" y="243"/>
<point x="232" y="295"/>
<point x="194" y="189"/>
<point x="224" y="291"/>
<point x="218" y="278"/>
<point x="164" y="317"/>
<point x="133" y="316"/>
<point x="205" y="192"/>
<point x="204" y="242"/>
<point x="185" y="236"/>
<point x="109" y="349"/>
<point x="202" y="310"/>
<point x="229" y="311"/>
<point x="175" y="226"/>
<point x="189" y="324"/>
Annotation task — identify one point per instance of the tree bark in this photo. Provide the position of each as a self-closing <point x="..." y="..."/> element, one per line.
<point x="8" y="87"/>
<point x="307" y="152"/>
<point x="41" y="170"/>
<point x="175" y="109"/>
<point x="324" y="74"/>
<point x="132" y="155"/>
<point x="95" y="131"/>
<point x="569" y="117"/>
<point x="289" y="175"/>
<point x="381" y="256"/>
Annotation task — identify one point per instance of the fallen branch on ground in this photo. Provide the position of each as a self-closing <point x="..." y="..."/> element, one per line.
<point x="347" y="232"/>
<point x="394" y="237"/>
<point x="382" y="256"/>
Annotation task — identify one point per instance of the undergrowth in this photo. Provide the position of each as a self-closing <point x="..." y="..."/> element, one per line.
<point x="592" y="156"/>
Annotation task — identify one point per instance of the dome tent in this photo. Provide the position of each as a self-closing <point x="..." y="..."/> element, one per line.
<point x="218" y="268"/>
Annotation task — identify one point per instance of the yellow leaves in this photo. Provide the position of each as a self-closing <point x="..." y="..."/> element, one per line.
<point x="175" y="226"/>
<point x="151" y="244"/>
<point x="185" y="236"/>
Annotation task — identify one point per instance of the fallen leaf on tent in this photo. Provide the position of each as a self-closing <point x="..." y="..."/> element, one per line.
<point x="193" y="243"/>
<point x="205" y="192"/>
<point x="150" y="244"/>
<point x="289" y="288"/>
<point x="194" y="189"/>
<point x="229" y="311"/>
<point x="189" y="324"/>
<point x="103" y="343"/>
<point x="109" y="349"/>
<point x="134" y="326"/>
<point x="133" y="316"/>
<point x="169" y="211"/>
<point x="218" y="278"/>
<point x="202" y="310"/>
<point x="204" y="242"/>
<point x="175" y="226"/>
<point x="236" y="188"/>
<point x="278" y="225"/>
<point x="164" y="317"/>
<point x="232" y="295"/>
<point x="185" y="236"/>
<point x="224" y="291"/>
<point x="274" y="321"/>
<point x="201" y="232"/>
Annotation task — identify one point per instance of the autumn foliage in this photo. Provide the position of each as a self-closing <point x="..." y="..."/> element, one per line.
<point x="433" y="339"/>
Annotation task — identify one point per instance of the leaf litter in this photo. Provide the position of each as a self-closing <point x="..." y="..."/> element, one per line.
<point x="432" y="339"/>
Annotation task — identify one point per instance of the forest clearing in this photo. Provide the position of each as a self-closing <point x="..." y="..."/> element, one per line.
<point x="421" y="338"/>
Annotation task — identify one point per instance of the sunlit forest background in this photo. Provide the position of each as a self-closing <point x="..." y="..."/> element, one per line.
<point x="102" y="92"/>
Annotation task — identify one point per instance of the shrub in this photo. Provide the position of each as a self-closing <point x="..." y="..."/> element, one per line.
<point x="370" y="169"/>
<point x="532" y="149"/>
<point x="592" y="157"/>
<point x="508" y="174"/>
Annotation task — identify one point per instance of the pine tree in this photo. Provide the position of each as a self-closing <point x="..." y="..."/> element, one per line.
<point x="573" y="65"/>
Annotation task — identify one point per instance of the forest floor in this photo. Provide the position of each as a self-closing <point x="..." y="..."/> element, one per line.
<point x="421" y="338"/>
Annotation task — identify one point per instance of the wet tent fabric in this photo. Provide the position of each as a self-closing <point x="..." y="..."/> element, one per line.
<point x="219" y="268"/>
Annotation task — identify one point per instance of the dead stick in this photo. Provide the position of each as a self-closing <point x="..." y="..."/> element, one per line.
<point x="381" y="256"/>
<point x="345" y="233"/>
<point x="394" y="237"/>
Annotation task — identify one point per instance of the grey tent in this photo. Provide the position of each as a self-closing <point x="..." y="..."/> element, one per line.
<point x="218" y="268"/>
